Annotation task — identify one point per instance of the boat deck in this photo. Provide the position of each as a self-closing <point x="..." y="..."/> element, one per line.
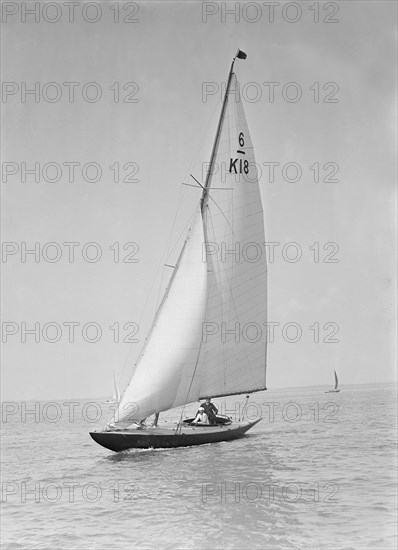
<point x="159" y="437"/>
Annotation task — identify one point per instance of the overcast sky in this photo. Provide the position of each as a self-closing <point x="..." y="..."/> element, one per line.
<point x="338" y="116"/>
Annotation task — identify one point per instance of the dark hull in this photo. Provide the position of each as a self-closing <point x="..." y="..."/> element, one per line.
<point x="332" y="391"/>
<point x="157" y="438"/>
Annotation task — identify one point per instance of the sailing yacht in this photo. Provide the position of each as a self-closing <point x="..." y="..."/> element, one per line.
<point x="203" y="341"/>
<point x="336" y="385"/>
<point x="116" y="394"/>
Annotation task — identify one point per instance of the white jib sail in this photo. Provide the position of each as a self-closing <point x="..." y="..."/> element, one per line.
<point x="165" y="369"/>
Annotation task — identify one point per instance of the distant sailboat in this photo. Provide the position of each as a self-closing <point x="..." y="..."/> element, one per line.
<point x="116" y="394"/>
<point x="181" y="362"/>
<point x="336" y="385"/>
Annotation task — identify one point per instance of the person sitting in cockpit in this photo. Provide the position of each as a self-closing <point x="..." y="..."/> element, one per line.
<point x="201" y="417"/>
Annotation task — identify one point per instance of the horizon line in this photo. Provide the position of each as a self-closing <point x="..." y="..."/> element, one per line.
<point x="243" y="393"/>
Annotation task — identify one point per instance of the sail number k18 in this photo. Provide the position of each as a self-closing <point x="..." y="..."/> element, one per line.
<point x="239" y="165"/>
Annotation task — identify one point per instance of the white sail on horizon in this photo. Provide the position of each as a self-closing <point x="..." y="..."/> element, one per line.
<point x="336" y="381"/>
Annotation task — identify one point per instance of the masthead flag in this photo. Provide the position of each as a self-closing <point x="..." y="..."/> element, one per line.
<point x="241" y="55"/>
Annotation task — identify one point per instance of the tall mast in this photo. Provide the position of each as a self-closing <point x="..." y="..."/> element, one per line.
<point x="217" y="138"/>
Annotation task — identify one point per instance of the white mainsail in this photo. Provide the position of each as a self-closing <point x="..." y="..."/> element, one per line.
<point x="234" y="333"/>
<point x="209" y="335"/>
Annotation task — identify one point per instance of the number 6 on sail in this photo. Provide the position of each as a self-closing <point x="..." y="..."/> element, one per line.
<point x="178" y="365"/>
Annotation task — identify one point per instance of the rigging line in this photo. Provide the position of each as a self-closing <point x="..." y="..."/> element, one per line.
<point x="226" y="219"/>
<point x="194" y="159"/>
<point x="179" y="425"/>
<point x="177" y="243"/>
<point x="183" y="231"/>
<point x="178" y="206"/>
<point x="170" y="249"/>
<point x="199" y="146"/>
<point x="204" y="134"/>
<point x="218" y="188"/>
<point x="166" y="256"/>
<point x="197" y="181"/>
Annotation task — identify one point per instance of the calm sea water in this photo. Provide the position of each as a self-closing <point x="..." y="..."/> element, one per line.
<point x="317" y="472"/>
